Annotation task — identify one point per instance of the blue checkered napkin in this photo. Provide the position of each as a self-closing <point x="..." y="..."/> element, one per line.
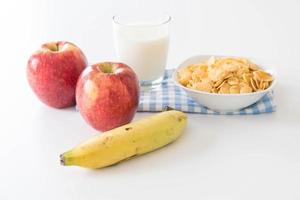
<point x="168" y="94"/>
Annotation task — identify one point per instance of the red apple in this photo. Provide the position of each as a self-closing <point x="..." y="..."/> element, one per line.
<point x="107" y="95"/>
<point x="52" y="73"/>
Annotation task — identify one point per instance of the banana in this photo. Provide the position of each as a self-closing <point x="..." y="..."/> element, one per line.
<point x="127" y="141"/>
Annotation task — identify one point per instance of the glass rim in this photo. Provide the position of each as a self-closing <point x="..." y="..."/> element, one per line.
<point x="166" y="21"/>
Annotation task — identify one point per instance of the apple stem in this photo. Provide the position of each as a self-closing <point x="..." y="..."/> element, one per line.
<point x="57" y="47"/>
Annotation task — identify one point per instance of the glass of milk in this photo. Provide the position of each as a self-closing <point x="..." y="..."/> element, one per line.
<point x="142" y="41"/>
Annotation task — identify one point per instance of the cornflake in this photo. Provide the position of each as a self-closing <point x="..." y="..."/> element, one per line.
<point x="225" y="76"/>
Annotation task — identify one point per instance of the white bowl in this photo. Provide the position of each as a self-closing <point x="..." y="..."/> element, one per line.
<point x="221" y="102"/>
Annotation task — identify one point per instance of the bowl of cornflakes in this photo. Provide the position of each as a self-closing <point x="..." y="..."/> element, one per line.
<point x="224" y="83"/>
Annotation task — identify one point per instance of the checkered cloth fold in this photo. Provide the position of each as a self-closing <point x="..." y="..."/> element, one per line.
<point x="168" y="94"/>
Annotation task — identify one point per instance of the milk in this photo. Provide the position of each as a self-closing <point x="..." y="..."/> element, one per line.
<point x="144" y="49"/>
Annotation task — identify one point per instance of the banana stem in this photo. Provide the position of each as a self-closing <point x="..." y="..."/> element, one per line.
<point x="166" y="108"/>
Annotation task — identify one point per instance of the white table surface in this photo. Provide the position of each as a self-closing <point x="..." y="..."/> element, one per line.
<point x="219" y="157"/>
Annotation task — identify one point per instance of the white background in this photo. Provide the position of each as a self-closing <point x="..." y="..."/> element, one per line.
<point x="219" y="157"/>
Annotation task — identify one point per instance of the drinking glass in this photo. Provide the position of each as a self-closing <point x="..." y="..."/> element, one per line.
<point x="142" y="42"/>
